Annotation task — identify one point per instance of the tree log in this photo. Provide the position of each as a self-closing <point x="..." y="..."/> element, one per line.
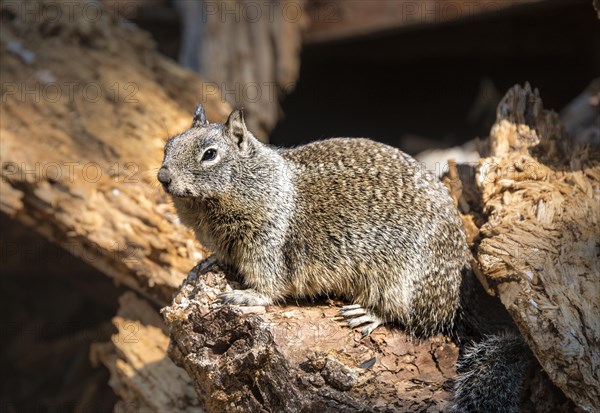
<point x="335" y="20"/>
<point x="82" y="139"/>
<point x="540" y="190"/>
<point x="141" y="373"/>
<point x="298" y="358"/>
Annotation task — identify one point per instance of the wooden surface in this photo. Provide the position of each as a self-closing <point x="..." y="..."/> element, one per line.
<point x="82" y="139"/>
<point x="250" y="50"/>
<point x="298" y="358"/>
<point x="141" y="373"/>
<point x="540" y="189"/>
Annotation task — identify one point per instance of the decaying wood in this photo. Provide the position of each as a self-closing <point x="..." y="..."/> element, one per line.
<point x="540" y="244"/>
<point x="249" y="49"/>
<point x="82" y="139"/>
<point x="298" y="358"/>
<point x="141" y="373"/>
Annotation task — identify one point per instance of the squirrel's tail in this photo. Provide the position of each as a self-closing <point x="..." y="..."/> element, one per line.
<point x="491" y="374"/>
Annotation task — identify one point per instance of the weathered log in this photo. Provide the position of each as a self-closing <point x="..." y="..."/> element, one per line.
<point x="298" y="358"/>
<point x="141" y="373"/>
<point x="82" y="139"/>
<point x="540" y="191"/>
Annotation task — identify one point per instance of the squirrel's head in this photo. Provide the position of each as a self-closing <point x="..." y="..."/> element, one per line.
<point x="202" y="161"/>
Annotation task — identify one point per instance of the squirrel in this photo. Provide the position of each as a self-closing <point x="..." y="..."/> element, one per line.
<point x="344" y="217"/>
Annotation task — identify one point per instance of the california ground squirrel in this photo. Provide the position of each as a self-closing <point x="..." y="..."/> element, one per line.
<point x="350" y="218"/>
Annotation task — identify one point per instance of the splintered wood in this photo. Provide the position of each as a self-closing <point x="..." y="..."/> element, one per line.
<point x="541" y="192"/>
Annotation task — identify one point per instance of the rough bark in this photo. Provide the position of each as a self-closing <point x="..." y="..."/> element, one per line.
<point x="539" y="247"/>
<point x="297" y="358"/>
<point x="82" y="139"/>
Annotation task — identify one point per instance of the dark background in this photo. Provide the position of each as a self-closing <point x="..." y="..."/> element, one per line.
<point x="433" y="85"/>
<point x="425" y="82"/>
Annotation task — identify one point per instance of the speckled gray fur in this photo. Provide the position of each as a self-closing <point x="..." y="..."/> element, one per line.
<point x="350" y="218"/>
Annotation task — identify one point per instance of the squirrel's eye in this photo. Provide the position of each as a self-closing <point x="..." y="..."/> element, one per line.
<point x="209" y="155"/>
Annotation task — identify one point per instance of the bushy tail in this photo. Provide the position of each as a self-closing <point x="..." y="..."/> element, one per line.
<point x="491" y="374"/>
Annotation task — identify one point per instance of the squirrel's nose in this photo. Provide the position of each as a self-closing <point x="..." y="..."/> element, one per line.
<point x="164" y="176"/>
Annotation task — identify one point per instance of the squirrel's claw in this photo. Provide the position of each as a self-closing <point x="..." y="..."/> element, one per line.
<point x="355" y="315"/>
<point x="369" y="328"/>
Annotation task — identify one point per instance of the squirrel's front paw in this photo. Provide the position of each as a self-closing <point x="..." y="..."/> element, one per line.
<point x="247" y="297"/>
<point x="202" y="267"/>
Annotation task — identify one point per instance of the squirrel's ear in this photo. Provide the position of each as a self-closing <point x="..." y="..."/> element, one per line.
<point x="235" y="129"/>
<point x="199" y="117"/>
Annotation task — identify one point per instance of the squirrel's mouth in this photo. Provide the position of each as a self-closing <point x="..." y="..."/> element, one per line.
<point x="176" y="193"/>
<point x="182" y="195"/>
